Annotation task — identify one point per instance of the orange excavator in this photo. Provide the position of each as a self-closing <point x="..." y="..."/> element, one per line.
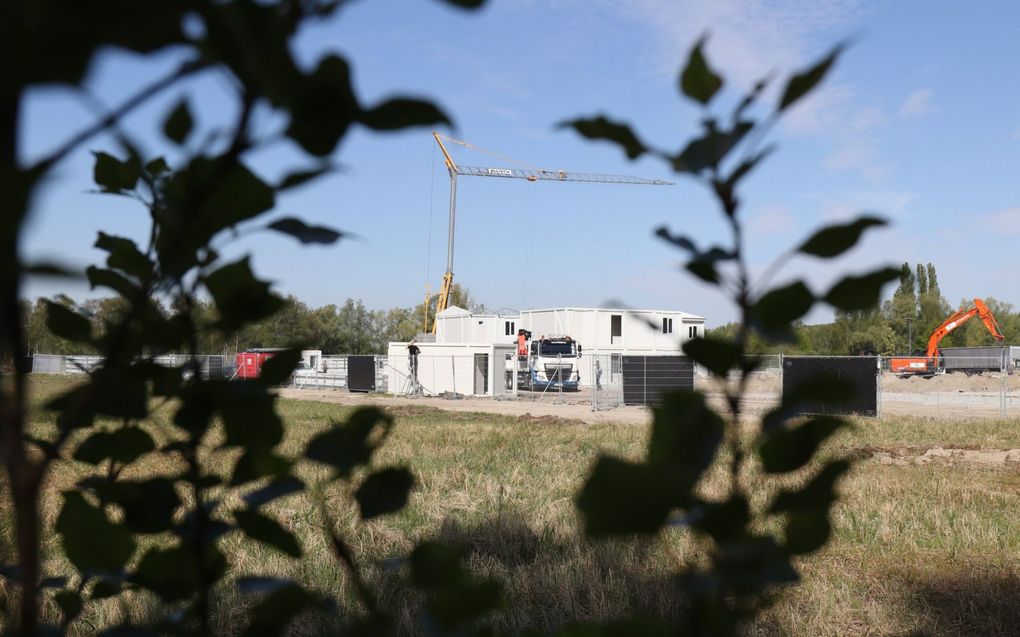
<point x="930" y="363"/>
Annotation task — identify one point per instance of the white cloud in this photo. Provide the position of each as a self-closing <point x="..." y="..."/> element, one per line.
<point x="850" y="155"/>
<point x="918" y="103"/>
<point x="749" y="39"/>
<point x="1005" y="221"/>
<point x="771" y="220"/>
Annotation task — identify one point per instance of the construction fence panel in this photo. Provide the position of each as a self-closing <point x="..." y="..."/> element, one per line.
<point x="982" y="385"/>
<point x="211" y="366"/>
<point x="861" y="372"/>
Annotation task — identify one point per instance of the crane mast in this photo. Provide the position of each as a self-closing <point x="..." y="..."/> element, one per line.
<point x="529" y="173"/>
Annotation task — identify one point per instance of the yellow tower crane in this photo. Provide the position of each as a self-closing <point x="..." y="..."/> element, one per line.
<point x="527" y="172"/>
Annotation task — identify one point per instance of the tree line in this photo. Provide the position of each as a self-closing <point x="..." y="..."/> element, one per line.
<point x="900" y="325"/>
<point x="348" y="328"/>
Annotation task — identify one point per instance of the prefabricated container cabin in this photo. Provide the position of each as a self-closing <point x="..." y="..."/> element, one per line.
<point x="470" y="369"/>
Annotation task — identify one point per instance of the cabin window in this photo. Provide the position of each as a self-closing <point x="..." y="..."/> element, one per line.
<point x="508" y="328"/>
<point x="692" y="331"/>
<point x="667" y="325"/>
<point x="615" y="327"/>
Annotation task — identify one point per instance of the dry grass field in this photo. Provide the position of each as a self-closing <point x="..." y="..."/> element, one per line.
<point x="924" y="540"/>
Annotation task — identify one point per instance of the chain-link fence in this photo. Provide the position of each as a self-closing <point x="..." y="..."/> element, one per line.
<point x="965" y="387"/>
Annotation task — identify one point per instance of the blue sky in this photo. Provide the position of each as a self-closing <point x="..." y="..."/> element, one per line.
<point x="918" y="122"/>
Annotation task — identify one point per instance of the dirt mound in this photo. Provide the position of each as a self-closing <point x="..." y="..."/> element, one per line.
<point x="940" y="455"/>
<point x="955" y="382"/>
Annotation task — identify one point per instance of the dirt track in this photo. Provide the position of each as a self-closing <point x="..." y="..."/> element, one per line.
<point x="573" y="408"/>
<point x="953" y="396"/>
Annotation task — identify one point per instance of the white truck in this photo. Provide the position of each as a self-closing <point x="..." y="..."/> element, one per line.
<point x="545" y="363"/>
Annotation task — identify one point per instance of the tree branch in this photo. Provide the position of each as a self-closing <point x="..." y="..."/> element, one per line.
<point x="114" y="116"/>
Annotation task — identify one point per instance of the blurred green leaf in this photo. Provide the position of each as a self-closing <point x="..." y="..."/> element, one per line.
<point x="807" y="509"/>
<point x="240" y="297"/>
<point x="686" y="434"/>
<point x="622" y="497"/>
<point x="861" y="292"/>
<point x="465" y="604"/>
<point x="124" y="255"/>
<point x="323" y="106"/>
<point x="276" y="489"/>
<point x="171" y="573"/>
<point x="257" y="463"/>
<point x="67" y="323"/>
<point x="465" y="4"/>
<point x="124" y="445"/>
<point x="149" y="505"/>
<point x="384" y="491"/>
<point x="744" y="168"/>
<point x="301" y="177"/>
<point x="709" y="150"/>
<point x="90" y="540"/>
<point x="790" y="449"/>
<point x="681" y="241"/>
<point x="70" y="605"/>
<point x="697" y="81"/>
<point x="806" y="531"/>
<point x="264" y="529"/>
<point x="802" y="83"/>
<point x="275" y="611"/>
<point x="103" y="277"/>
<point x="778" y="308"/>
<point x="113" y="175"/>
<point x="820" y="389"/>
<point x="278" y="367"/>
<point x="104" y="589"/>
<point x="456" y="597"/>
<point x="50" y="269"/>
<point x="305" y="233"/>
<point x="602" y="128"/>
<point x="719" y="357"/>
<point x="157" y="167"/>
<point x="752" y="564"/>
<point x="249" y="414"/>
<point x="836" y="239"/>
<point x="347" y="445"/>
<point x="207" y="196"/>
<point x="724" y="520"/>
<point x="402" y="112"/>
<point x="704" y="270"/>
<point x="436" y="565"/>
<point x="818" y="494"/>
<point x="177" y="125"/>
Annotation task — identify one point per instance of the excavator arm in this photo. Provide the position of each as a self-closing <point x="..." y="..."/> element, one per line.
<point x="930" y="364"/>
<point x="956" y="320"/>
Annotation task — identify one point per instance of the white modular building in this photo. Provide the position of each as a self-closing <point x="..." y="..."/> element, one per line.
<point x="471" y="352"/>
<point x="617" y="331"/>
<point x="471" y="369"/>
<point x="457" y="325"/>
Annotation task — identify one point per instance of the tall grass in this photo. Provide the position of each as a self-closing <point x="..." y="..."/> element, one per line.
<point x="933" y="547"/>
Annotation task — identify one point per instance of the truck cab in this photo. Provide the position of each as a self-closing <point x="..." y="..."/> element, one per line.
<point x="546" y="362"/>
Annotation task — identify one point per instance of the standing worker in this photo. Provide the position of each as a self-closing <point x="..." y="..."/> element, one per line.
<point x="412" y="360"/>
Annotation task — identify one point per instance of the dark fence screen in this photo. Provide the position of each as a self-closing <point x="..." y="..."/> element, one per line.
<point x="361" y="373"/>
<point x="860" y="371"/>
<point x="646" y="378"/>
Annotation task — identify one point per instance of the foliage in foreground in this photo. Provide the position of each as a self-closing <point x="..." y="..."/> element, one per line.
<point x="108" y="523"/>
<point x="661" y="491"/>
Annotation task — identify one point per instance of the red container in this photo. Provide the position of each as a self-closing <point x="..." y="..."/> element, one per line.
<point x="249" y="364"/>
